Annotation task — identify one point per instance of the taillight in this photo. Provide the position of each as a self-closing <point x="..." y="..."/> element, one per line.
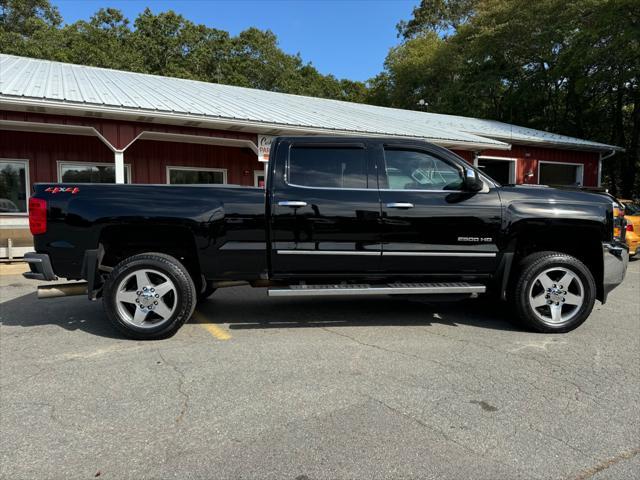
<point x="37" y="216"/>
<point x="629" y="227"/>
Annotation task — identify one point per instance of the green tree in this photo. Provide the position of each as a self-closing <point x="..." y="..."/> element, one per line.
<point x="30" y="28"/>
<point x="570" y="67"/>
<point x="104" y="41"/>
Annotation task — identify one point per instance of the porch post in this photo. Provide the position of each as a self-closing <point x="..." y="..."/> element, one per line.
<point x="119" y="162"/>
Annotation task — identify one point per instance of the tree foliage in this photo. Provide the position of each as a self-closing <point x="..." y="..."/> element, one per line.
<point x="168" y="44"/>
<point x="570" y="67"/>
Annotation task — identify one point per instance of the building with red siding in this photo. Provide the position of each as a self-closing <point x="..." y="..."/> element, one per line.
<point x="69" y="123"/>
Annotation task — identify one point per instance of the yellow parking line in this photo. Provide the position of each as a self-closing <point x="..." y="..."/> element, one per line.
<point x="13" y="268"/>
<point x="214" y="330"/>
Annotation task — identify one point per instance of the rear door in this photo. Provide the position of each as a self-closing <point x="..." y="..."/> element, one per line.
<point x="325" y="209"/>
<point x="429" y="225"/>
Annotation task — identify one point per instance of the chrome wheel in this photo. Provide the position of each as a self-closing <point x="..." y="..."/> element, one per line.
<point x="556" y="295"/>
<point x="146" y="298"/>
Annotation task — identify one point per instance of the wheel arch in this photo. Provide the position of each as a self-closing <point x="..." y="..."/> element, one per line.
<point x="579" y="239"/>
<point x="121" y="241"/>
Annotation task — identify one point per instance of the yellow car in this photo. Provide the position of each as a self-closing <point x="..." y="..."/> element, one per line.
<point x="632" y="216"/>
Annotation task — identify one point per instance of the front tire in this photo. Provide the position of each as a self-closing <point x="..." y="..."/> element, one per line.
<point x="149" y="296"/>
<point x="554" y="292"/>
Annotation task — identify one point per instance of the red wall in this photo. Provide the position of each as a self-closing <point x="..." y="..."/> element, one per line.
<point x="149" y="160"/>
<point x="528" y="158"/>
<point x="121" y="133"/>
<point x="44" y="150"/>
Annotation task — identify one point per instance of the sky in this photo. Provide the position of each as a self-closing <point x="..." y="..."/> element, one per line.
<point x="347" y="38"/>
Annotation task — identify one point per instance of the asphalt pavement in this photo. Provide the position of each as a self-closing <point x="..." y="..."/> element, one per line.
<point x="318" y="388"/>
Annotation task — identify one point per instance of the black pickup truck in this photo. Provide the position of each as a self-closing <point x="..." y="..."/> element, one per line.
<point x="339" y="216"/>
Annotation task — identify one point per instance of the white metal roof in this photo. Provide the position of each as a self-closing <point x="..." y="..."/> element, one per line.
<point x="77" y="89"/>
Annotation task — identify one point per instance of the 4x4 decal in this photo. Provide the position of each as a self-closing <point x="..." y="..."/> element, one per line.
<point x="71" y="190"/>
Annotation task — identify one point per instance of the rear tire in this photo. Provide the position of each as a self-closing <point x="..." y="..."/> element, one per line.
<point x="554" y="292"/>
<point x="149" y="296"/>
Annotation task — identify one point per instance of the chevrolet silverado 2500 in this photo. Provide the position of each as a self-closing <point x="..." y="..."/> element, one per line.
<point x="338" y="216"/>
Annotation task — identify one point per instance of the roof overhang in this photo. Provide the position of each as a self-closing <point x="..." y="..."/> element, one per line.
<point x="548" y="143"/>
<point x="191" y="120"/>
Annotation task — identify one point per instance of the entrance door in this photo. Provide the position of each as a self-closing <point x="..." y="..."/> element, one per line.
<point x="325" y="210"/>
<point x="430" y="226"/>
<point x="502" y="171"/>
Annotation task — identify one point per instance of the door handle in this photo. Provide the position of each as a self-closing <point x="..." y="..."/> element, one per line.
<point x="292" y="203"/>
<point x="399" y="205"/>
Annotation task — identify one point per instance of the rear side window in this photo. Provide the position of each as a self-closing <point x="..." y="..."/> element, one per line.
<point x="328" y="167"/>
<point x="412" y="170"/>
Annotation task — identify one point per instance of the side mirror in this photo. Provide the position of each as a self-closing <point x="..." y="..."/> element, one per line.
<point x="471" y="181"/>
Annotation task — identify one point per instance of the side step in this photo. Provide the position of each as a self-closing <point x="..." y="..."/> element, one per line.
<point x="386" y="289"/>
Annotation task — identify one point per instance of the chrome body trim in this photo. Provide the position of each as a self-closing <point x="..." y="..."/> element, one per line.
<point x="389" y="289"/>
<point x="326" y="252"/>
<point x="439" y="254"/>
<point x="389" y="254"/>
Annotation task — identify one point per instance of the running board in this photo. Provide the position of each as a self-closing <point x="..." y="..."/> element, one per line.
<point x="386" y="289"/>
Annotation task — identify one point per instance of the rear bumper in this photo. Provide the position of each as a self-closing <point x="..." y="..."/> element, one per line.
<point x="40" y="267"/>
<point x="615" y="261"/>
<point x="634" y="243"/>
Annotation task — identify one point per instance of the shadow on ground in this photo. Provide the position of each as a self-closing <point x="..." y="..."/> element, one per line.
<point x="240" y="313"/>
<point x="73" y="313"/>
<point x="250" y="309"/>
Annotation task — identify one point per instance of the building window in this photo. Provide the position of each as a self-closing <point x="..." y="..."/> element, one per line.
<point x="328" y="167"/>
<point x="553" y="173"/>
<point x="85" y="172"/>
<point x="259" y="178"/>
<point x="14" y="186"/>
<point x="195" y="175"/>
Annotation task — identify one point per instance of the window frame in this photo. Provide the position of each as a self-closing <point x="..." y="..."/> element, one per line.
<point x="513" y="167"/>
<point x="338" y="145"/>
<point x="62" y="163"/>
<point x="27" y="183"/>
<point x="411" y="148"/>
<point x="195" y="169"/>
<point x="575" y="164"/>
<point x="256" y="174"/>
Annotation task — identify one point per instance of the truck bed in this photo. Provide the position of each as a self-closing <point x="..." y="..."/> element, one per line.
<point x="229" y="218"/>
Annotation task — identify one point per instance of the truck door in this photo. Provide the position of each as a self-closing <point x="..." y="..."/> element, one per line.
<point x="429" y="225"/>
<point x="325" y="209"/>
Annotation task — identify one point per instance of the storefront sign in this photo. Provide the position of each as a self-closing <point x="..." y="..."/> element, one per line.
<point x="264" y="145"/>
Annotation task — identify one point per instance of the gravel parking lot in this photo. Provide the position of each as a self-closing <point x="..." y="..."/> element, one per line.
<point x="318" y="388"/>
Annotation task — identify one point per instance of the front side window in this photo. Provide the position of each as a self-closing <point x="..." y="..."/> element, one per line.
<point x="90" y="173"/>
<point x="328" y="167"/>
<point x="413" y="170"/>
<point x="192" y="176"/>
<point x="13" y="186"/>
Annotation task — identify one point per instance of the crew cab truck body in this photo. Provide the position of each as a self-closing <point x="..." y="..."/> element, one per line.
<point x="339" y="216"/>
